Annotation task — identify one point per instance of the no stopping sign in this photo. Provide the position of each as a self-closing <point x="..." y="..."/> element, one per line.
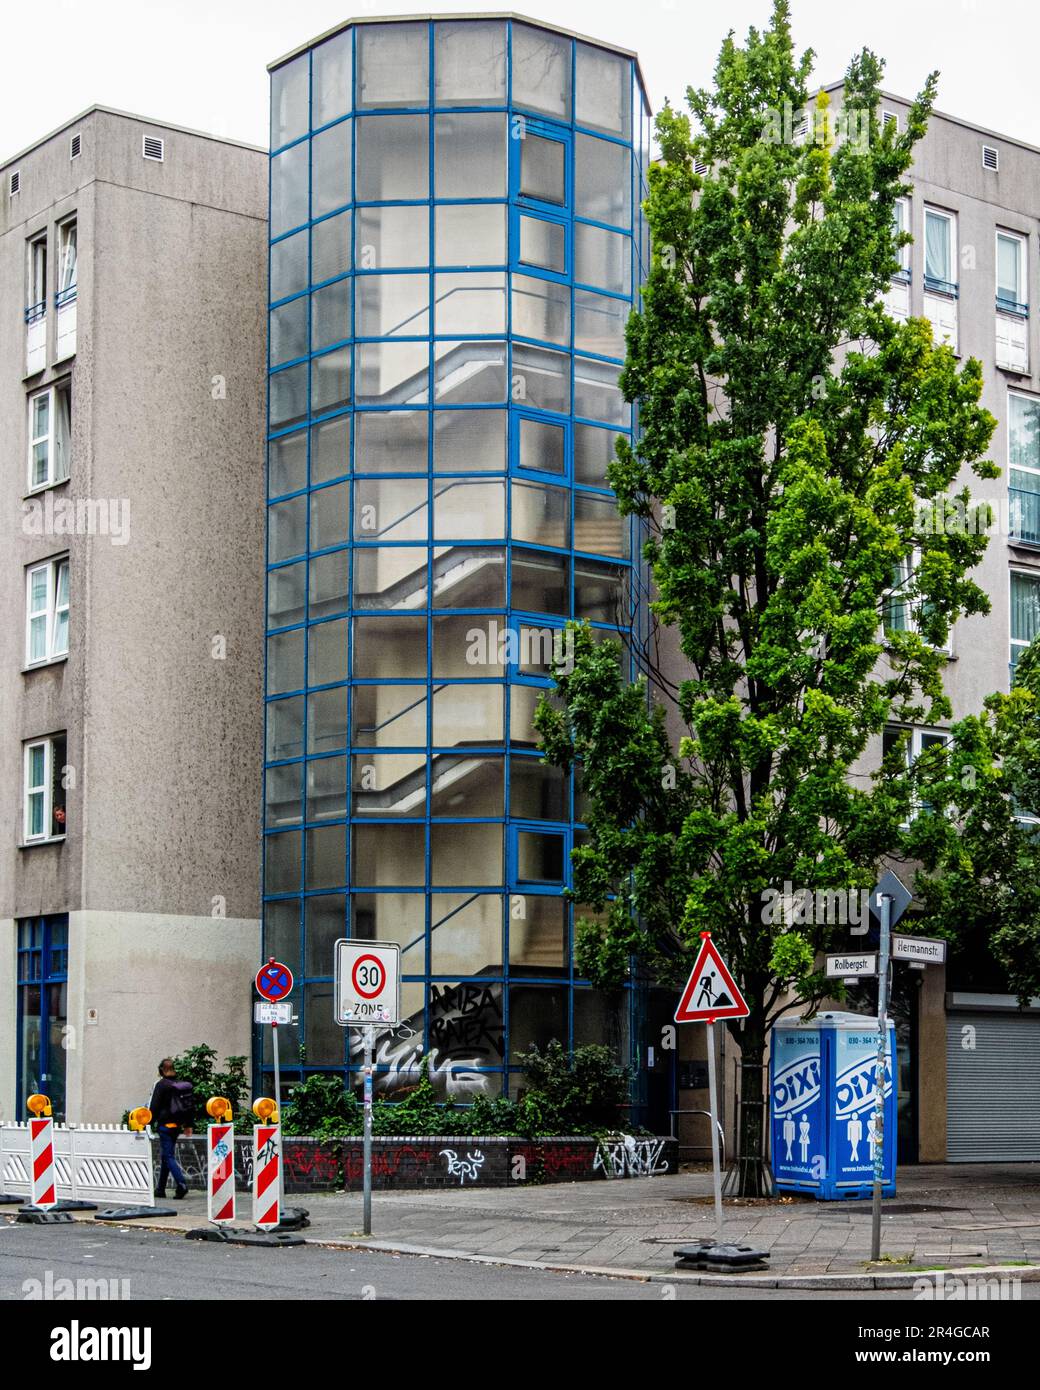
<point x="367" y="982"/>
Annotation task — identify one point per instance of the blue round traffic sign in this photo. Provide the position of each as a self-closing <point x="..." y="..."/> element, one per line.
<point x="274" y="980"/>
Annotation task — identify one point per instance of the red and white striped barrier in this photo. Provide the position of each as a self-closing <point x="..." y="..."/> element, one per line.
<point x="44" y="1191"/>
<point x="267" y="1163"/>
<point x="220" y="1188"/>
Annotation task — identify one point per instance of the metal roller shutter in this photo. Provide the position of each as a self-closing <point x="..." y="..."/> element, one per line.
<point x="993" y="1090"/>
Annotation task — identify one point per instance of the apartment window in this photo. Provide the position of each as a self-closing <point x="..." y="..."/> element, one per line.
<point x="66" y="262"/>
<point x="1025" y="612"/>
<point x="939" y="251"/>
<point x="44" y="789"/>
<point x="50" y="435"/>
<point x="899" y="613"/>
<point x="42" y="978"/>
<point x="918" y="741"/>
<point x="36" y="307"/>
<point x="1011" y="276"/>
<point x="47" y="611"/>
<point x="1024" y="467"/>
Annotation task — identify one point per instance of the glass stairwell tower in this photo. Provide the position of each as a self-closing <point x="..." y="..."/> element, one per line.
<point x="456" y="245"/>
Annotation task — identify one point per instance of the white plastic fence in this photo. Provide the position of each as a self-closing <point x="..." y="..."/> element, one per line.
<point x="93" y="1163"/>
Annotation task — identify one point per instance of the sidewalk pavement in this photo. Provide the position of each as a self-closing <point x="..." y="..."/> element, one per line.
<point x="946" y="1216"/>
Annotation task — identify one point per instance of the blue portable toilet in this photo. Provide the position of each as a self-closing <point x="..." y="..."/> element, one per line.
<point x="822" y="1092"/>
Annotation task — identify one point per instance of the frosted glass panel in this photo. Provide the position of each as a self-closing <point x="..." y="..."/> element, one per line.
<point x="541" y="71"/>
<point x="392" y="237"/>
<point x="469" y="64"/>
<point x="392" y="159"/>
<point x="289" y="93"/>
<point x="331" y="79"/>
<point x="470" y="155"/>
<point x="393" y="65"/>
<point x="472" y="234"/>
<point x="603" y="96"/>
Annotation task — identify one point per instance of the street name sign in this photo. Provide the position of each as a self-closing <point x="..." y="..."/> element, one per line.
<point x="925" y="949"/>
<point x="848" y="965"/>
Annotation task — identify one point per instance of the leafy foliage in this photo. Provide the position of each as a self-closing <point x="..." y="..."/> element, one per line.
<point x="579" y="1093"/>
<point x="789" y="430"/>
<point x="197" y="1065"/>
<point x="980" y="860"/>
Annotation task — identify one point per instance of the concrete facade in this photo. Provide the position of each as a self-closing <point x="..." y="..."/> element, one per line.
<point x="159" y="694"/>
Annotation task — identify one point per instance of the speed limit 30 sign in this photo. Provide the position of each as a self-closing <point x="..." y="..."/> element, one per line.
<point x="367" y="982"/>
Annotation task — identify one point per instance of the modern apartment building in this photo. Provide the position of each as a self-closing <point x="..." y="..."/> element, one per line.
<point x="456" y="245"/>
<point x="970" y="1058"/>
<point x="131" y="386"/>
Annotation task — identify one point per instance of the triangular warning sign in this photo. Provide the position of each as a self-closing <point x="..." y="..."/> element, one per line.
<point x="711" y="991"/>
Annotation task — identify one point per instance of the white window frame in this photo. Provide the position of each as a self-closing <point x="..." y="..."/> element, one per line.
<point x="950" y="279"/>
<point x="1010" y="464"/>
<point x="50" y="437"/>
<point x="889" y="118"/>
<point x="1011" y="306"/>
<point x="36" y="300"/>
<point x="1018" y="642"/>
<point x="68" y="234"/>
<point x="905" y="208"/>
<point x="37" y="789"/>
<point x="907" y="566"/>
<point x="50" y="612"/>
<point x="915" y="746"/>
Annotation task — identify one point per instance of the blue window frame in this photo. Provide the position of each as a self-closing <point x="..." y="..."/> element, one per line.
<point x="400" y="396"/>
<point x="43" y="972"/>
<point x="541" y="172"/>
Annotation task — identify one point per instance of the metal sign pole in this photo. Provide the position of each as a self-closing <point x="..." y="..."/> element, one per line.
<point x="879" y="1076"/>
<point x="713" y="1105"/>
<point x="278" y="1103"/>
<point x="369" y="1042"/>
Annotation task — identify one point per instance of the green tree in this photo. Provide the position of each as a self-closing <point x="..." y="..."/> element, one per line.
<point x="979" y="846"/>
<point x="789" y="430"/>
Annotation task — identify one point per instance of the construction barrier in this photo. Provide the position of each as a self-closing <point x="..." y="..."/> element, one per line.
<point x="95" y="1163"/>
<point x="42" y="1185"/>
<point x="220" y="1187"/>
<point x="267" y="1153"/>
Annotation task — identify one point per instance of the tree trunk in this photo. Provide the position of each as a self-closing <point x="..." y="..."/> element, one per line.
<point x="752" y="1177"/>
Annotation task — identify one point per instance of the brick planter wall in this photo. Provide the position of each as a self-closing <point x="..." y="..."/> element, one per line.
<point x="412" y="1163"/>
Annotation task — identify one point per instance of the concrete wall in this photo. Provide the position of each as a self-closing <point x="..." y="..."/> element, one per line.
<point x="159" y="984"/>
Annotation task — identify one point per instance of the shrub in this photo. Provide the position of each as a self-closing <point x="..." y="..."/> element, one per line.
<point x="584" y="1092"/>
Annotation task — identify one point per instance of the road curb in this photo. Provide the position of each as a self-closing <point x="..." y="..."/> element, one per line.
<point x="904" y="1279"/>
<point x="901" y="1279"/>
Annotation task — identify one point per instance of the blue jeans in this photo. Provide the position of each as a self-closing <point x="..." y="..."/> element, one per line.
<point x="168" y="1164"/>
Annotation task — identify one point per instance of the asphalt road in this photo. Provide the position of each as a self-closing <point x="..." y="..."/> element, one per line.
<point x="153" y="1265"/>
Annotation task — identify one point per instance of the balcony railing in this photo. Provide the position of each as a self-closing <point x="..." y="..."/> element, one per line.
<point x="1012" y="306"/>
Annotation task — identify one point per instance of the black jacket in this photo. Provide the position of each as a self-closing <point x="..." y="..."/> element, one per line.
<point x="159" y="1104"/>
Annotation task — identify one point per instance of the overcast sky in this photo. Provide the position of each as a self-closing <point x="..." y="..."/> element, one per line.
<point x="201" y="63"/>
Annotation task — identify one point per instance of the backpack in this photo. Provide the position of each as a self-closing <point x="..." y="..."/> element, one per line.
<point x="182" y="1103"/>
